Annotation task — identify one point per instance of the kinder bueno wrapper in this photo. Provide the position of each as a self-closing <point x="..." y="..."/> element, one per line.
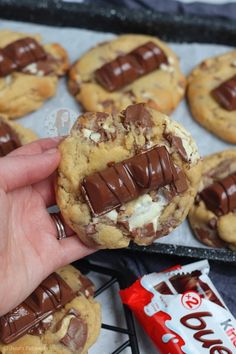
<point x="182" y="312"/>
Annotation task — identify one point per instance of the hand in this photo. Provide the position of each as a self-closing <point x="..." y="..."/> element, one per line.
<point x="29" y="249"/>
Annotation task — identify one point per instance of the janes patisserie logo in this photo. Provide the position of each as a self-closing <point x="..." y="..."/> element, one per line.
<point x="196" y="322"/>
<point x="59" y="121"/>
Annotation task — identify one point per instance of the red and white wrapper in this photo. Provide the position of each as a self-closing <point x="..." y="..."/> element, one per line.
<point x="182" y="312"/>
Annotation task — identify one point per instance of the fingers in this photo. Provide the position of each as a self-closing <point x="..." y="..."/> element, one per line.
<point x="23" y="170"/>
<point x="37" y="147"/>
<point x="46" y="189"/>
<point x="68" y="231"/>
<point x="73" y="249"/>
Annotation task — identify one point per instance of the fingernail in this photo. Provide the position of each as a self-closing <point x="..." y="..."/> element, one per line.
<point x="51" y="151"/>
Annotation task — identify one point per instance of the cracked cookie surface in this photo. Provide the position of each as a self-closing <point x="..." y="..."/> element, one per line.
<point x="211" y="229"/>
<point x="100" y="140"/>
<point x="161" y="89"/>
<point x="24" y="92"/>
<point x="70" y="330"/>
<point x="205" y="109"/>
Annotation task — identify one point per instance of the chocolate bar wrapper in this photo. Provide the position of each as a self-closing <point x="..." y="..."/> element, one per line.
<point x="182" y="312"/>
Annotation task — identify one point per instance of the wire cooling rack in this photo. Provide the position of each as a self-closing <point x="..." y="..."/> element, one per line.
<point x="114" y="277"/>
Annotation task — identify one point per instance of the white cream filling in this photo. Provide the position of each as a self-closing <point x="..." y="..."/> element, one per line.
<point x="187" y="141"/>
<point x="40" y="73"/>
<point x="167" y="68"/>
<point x="146" y="212"/>
<point x="95" y="137"/>
<point x="112" y="215"/>
<point x="5" y="139"/>
<point x="48" y="319"/>
<point x="111" y="129"/>
<point x="171" y="60"/>
<point x="32" y="68"/>
<point x="89" y="134"/>
<point x="8" y="80"/>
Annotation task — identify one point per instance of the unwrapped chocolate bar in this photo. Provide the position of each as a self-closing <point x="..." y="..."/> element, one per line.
<point x="225" y="94"/>
<point x="220" y="197"/>
<point x="129" y="67"/>
<point x="182" y="312"/>
<point x="127" y="180"/>
<point x="20" y="53"/>
<point x="9" y="140"/>
<point x="52" y="294"/>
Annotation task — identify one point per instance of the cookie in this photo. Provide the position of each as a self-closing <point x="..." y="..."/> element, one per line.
<point x="29" y="72"/>
<point x="212" y="95"/>
<point x="128" y="69"/>
<point x="60" y="317"/>
<point x="213" y="215"/>
<point x="13" y="135"/>
<point x="130" y="176"/>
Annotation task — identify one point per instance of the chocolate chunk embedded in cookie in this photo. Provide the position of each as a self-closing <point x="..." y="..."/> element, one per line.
<point x="59" y="317"/>
<point x="126" y="70"/>
<point x="122" y="178"/>
<point x="212" y="95"/>
<point x="213" y="215"/>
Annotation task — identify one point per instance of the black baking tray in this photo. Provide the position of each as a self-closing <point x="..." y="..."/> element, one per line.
<point x="175" y="28"/>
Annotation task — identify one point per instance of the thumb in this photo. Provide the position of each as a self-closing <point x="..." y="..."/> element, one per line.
<point x="23" y="170"/>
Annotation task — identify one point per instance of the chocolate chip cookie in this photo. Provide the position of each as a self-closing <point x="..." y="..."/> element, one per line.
<point x="126" y="70"/>
<point x="213" y="215"/>
<point x="29" y="72"/>
<point x="13" y="135"/>
<point x="130" y="176"/>
<point x="212" y="95"/>
<point x="60" y="317"/>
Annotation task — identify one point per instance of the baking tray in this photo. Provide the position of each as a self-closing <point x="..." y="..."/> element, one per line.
<point x="175" y="28"/>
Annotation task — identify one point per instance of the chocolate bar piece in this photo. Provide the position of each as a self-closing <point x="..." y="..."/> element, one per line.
<point x="7" y="65"/>
<point x="163" y="288"/>
<point x="129" y="179"/>
<point x="127" y="68"/>
<point x="19" y="54"/>
<point x="138" y="115"/>
<point x="76" y="334"/>
<point x="52" y="294"/>
<point x="192" y="281"/>
<point x="176" y="141"/>
<point x="220" y="197"/>
<point x="225" y="94"/>
<point x="9" y="140"/>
